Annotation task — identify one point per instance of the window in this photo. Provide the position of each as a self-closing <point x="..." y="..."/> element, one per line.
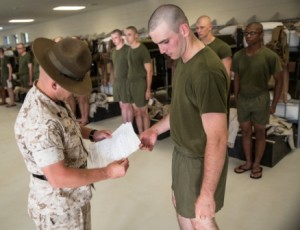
<point x="6" y="40"/>
<point x="24" y="38"/>
<point x="16" y="38"/>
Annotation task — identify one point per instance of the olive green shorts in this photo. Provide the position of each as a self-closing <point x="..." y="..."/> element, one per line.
<point x="3" y="81"/>
<point x="187" y="173"/>
<point x="24" y="81"/>
<point x="121" y="91"/>
<point x="137" y="90"/>
<point x="254" y="109"/>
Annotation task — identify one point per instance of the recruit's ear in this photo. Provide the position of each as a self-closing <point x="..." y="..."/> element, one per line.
<point x="184" y="29"/>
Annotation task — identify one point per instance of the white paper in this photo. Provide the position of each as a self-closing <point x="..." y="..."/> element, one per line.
<point x="124" y="142"/>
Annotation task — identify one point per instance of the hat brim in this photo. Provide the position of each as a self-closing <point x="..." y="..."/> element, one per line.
<point x="40" y="49"/>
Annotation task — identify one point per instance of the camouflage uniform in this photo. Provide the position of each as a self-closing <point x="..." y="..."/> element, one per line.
<point x="46" y="133"/>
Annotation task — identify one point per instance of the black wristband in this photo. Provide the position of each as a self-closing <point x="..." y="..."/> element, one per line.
<point x="91" y="135"/>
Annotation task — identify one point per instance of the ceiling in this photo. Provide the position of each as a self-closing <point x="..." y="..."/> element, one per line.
<point x="41" y="10"/>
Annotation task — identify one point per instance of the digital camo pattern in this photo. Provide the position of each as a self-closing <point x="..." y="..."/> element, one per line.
<point x="78" y="219"/>
<point x="47" y="132"/>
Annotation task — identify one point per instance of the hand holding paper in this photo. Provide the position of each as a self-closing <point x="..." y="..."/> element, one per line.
<point x="124" y="142"/>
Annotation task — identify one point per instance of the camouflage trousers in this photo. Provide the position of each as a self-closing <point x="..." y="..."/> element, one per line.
<point x="78" y="219"/>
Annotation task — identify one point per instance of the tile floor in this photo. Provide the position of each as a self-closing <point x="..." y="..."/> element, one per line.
<point x="141" y="200"/>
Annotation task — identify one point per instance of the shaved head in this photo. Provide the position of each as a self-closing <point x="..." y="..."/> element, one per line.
<point x="132" y="28"/>
<point x="172" y="15"/>
<point x="205" y="20"/>
<point x="257" y="25"/>
<point x="117" y="31"/>
<point x="204" y="29"/>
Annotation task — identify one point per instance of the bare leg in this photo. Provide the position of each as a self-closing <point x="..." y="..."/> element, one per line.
<point x="145" y="117"/>
<point x="11" y="96"/>
<point x="247" y="143"/>
<point x="84" y="107"/>
<point x="138" y="118"/>
<point x="141" y="118"/>
<point x="3" y="98"/>
<point x="129" y="113"/>
<point x="260" y="144"/>
<point x="205" y="224"/>
<point x="195" y="224"/>
<point x="184" y="223"/>
<point x="16" y="93"/>
<point x="126" y="111"/>
<point x="72" y="104"/>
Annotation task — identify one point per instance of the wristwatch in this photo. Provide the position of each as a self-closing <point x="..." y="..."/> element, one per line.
<point x="91" y="135"/>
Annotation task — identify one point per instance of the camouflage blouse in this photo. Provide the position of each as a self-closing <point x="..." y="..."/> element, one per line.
<point x="46" y="133"/>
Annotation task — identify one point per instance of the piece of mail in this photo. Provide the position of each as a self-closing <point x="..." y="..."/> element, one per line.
<point x="123" y="142"/>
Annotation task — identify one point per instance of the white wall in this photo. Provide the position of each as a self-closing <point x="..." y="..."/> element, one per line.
<point x="138" y="13"/>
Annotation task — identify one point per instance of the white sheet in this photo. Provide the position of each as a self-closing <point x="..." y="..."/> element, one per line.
<point x="123" y="143"/>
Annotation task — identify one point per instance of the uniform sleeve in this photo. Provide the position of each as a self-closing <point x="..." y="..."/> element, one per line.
<point x="29" y="59"/>
<point x="146" y="55"/>
<point x="225" y="50"/>
<point x="46" y="144"/>
<point x="234" y="65"/>
<point x="277" y="67"/>
<point x="211" y="93"/>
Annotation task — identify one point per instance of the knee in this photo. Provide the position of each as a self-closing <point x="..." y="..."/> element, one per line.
<point x="247" y="132"/>
<point x="207" y="223"/>
<point x="144" y="113"/>
<point x="260" y="132"/>
<point x="137" y="113"/>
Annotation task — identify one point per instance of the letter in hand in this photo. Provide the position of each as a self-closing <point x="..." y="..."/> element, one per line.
<point x="118" y="168"/>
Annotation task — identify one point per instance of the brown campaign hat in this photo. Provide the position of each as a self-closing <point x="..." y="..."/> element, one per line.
<point x="66" y="62"/>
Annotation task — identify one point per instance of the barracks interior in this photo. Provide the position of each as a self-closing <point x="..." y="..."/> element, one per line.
<point x="265" y="199"/>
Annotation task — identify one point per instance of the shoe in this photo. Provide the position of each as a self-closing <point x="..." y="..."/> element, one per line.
<point x="10" y="105"/>
<point x="256" y="174"/>
<point x="241" y="169"/>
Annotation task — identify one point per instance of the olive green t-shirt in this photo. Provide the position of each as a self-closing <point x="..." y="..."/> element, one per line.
<point x="4" y="69"/>
<point x="23" y="64"/>
<point x="36" y="69"/>
<point x="136" y="59"/>
<point x="221" y="48"/>
<point x="199" y="87"/>
<point x="119" y="59"/>
<point x="255" y="71"/>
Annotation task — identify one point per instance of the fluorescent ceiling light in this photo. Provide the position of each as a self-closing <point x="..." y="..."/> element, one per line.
<point x="1" y="28"/>
<point x="20" y="20"/>
<point x="69" y="8"/>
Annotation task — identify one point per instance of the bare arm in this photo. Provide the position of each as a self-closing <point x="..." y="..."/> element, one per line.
<point x="278" y="77"/>
<point x="236" y="85"/>
<point x="30" y="72"/>
<point x="149" y="136"/>
<point x="215" y="127"/>
<point x="112" y="73"/>
<point x="60" y="176"/>
<point x="227" y="63"/>
<point x="148" y="68"/>
<point x="9" y="72"/>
